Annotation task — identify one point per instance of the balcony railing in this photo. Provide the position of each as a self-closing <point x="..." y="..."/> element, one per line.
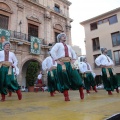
<point x="22" y="36"/>
<point x="19" y="35"/>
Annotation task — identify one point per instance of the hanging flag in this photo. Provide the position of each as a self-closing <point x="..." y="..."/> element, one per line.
<point x="4" y="36"/>
<point x="35" y="45"/>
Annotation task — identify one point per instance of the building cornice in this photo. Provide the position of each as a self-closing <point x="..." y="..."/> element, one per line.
<point x="36" y="3"/>
<point x="99" y="16"/>
<point x="66" y="2"/>
<point x="61" y="15"/>
<point x="50" y="10"/>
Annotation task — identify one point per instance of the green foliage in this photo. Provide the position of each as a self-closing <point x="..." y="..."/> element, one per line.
<point x="31" y="73"/>
<point x="118" y="78"/>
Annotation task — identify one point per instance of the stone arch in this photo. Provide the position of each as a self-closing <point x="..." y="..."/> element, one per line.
<point x="34" y="18"/>
<point x="30" y="58"/>
<point x="58" y="26"/>
<point x="5" y="7"/>
<point x="24" y="65"/>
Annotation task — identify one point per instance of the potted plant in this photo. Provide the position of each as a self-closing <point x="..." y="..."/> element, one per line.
<point x="31" y="75"/>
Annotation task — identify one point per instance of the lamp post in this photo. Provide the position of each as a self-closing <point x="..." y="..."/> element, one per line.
<point x="20" y="23"/>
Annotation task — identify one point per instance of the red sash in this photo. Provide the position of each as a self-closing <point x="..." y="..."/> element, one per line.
<point x="66" y="50"/>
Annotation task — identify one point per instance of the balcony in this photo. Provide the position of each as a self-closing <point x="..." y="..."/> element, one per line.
<point x="19" y="35"/>
<point x="22" y="36"/>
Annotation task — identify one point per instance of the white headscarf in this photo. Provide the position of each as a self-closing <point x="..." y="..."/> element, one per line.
<point x="5" y="43"/>
<point x="82" y="58"/>
<point x="103" y="49"/>
<point x="59" y="36"/>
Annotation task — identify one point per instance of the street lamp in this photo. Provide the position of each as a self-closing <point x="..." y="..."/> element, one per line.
<point x="20" y="23"/>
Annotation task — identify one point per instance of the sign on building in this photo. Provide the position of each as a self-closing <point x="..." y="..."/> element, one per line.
<point x="4" y="36"/>
<point x="35" y="45"/>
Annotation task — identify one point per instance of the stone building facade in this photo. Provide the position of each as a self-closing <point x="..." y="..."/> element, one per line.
<point x="103" y="31"/>
<point x="44" y="19"/>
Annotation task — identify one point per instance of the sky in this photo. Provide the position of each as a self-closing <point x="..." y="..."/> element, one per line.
<point x="81" y="10"/>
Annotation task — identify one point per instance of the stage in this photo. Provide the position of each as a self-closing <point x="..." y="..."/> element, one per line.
<point x="40" y="106"/>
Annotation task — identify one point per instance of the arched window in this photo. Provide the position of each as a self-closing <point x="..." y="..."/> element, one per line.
<point x="57" y="30"/>
<point x="4" y="21"/>
<point x="5" y="13"/>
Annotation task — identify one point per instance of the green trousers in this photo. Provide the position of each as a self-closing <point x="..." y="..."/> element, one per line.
<point x="53" y="81"/>
<point x="69" y="78"/>
<point x="7" y="82"/>
<point x="89" y="81"/>
<point x="110" y="83"/>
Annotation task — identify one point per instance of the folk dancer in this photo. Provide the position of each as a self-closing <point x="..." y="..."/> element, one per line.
<point x="87" y="74"/>
<point x="8" y="61"/>
<point x="50" y="66"/>
<point x="65" y="57"/>
<point x="110" y="81"/>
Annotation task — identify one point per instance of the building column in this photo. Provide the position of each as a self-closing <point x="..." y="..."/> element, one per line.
<point x="68" y="32"/>
<point x="47" y="25"/>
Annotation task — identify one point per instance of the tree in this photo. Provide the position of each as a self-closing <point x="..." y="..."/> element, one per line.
<point x="31" y="73"/>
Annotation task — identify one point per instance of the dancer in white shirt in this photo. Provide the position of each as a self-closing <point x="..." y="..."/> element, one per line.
<point x="108" y="76"/>
<point x="50" y="66"/>
<point x="8" y="61"/>
<point x="65" y="57"/>
<point x="87" y="74"/>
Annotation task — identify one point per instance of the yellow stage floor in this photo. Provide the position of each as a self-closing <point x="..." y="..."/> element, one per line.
<point x="40" y="106"/>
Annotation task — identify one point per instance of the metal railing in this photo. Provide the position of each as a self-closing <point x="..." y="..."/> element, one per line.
<point x="19" y="35"/>
<point x="22" y="36"/>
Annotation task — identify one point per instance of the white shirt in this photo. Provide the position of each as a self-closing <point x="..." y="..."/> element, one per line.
<point x="103" y="60"/>
<point x="58" y="51"/>
<point x="83" y="67"/>
<point x="48" y="63"/>
<point x="40" y="76"/>
<point x="12" y="57"/>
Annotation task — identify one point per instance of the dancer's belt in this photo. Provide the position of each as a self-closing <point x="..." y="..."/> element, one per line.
<point x="107" y="71"/>
<point x="84" y="74"/>
<point x="65" y="59"/>
<point x="108" y="67"/>
<point x="88" y="72"/>
<point x="7" y="64"/>
<point x="53" y="67"/>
